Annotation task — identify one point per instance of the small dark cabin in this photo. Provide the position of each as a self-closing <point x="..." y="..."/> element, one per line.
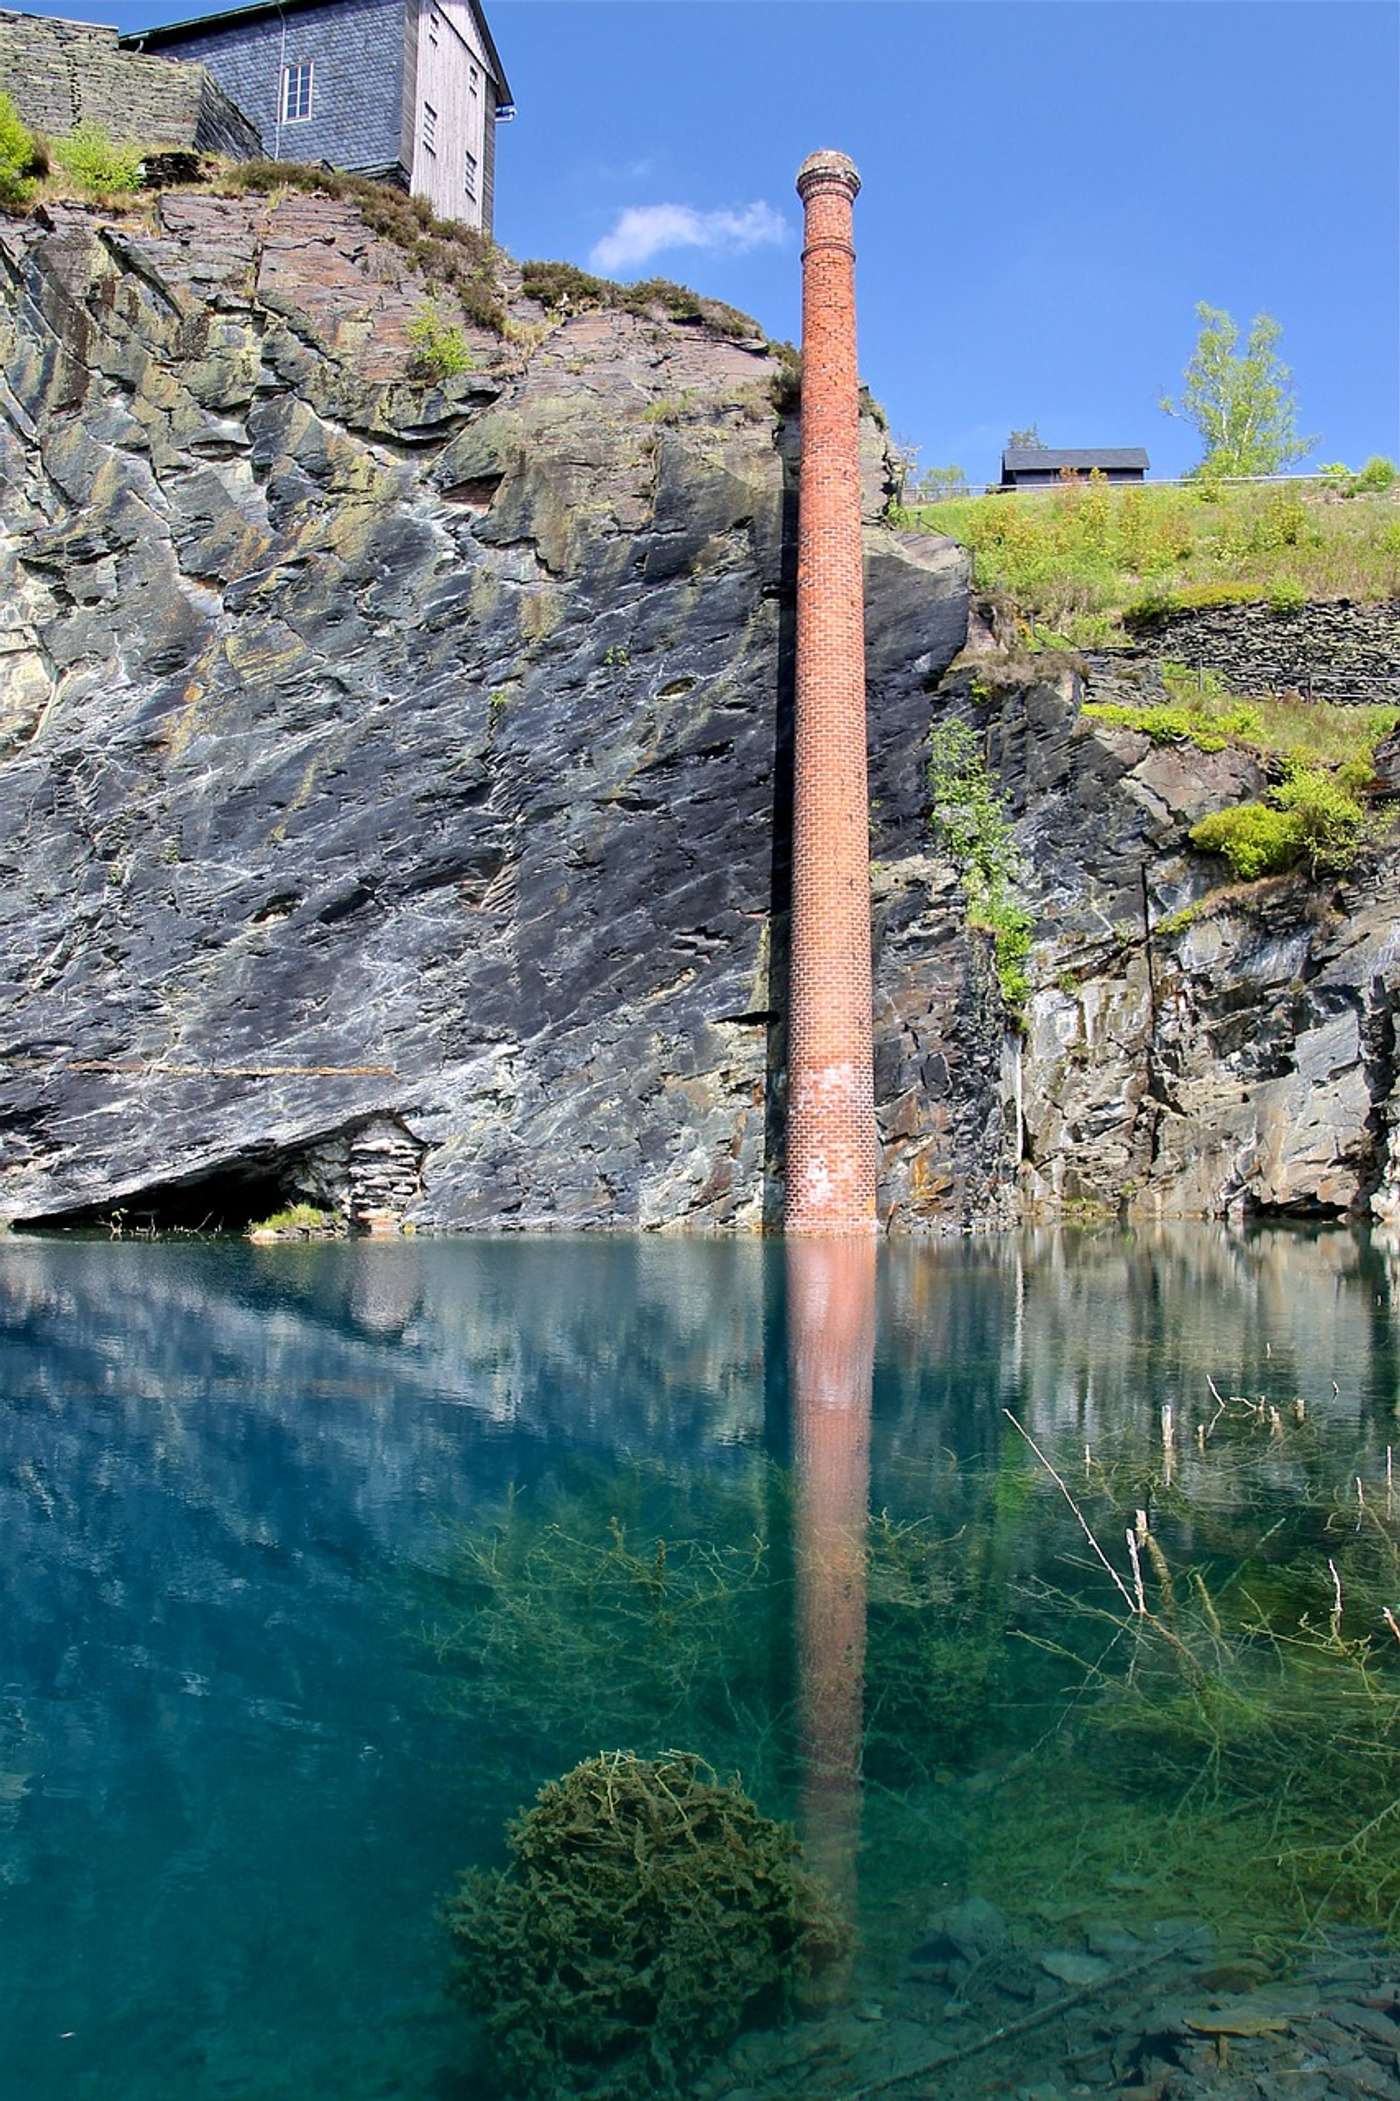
<point x="1033" y="466"/>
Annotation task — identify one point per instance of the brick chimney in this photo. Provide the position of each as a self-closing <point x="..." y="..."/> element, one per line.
<point x="831" y="1152"/>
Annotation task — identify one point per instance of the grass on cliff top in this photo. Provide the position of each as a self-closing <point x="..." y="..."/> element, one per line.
<point x="451" y="256"/>
<point x="563" y="287"/>
<point x="1075" y="560"/>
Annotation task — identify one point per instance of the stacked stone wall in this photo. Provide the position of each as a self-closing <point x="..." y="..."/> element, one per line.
<point x="1334" y="651"/>
<point x="62" y="74"/>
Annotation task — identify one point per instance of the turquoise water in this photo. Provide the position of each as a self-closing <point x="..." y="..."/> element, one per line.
<point x="259" y="1703"/>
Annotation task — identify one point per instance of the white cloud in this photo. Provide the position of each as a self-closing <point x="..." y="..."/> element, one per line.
<point x="645" y="230"/>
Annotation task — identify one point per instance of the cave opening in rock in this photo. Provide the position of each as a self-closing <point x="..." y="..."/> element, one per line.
<point x="226" y="1199"/>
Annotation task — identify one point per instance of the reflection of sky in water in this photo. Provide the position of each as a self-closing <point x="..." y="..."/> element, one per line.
<point x="226" y="1801"/>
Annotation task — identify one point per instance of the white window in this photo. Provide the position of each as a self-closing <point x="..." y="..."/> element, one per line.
<point x="429" y="128"/>
<point x="475" y="78"/>
<point x="296" y="92"/>
<point x="470" y="178"/>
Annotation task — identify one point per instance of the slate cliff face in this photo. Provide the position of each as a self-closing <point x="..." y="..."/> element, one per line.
<point x="393" y="794"/>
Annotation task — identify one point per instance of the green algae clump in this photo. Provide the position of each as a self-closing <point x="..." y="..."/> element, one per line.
<point x="646" y="1911"/>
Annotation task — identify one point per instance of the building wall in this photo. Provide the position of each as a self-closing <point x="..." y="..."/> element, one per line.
<point x="454" y="81"/>
<point x="357" y="50"/>
<point x="61" y="74"/>
<point x="1044" y="478"/>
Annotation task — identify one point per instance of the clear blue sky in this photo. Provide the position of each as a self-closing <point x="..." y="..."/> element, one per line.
<point x="1050" y="187"/>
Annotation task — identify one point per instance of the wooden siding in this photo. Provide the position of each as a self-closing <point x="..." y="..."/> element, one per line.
<point x="448" y="51"/>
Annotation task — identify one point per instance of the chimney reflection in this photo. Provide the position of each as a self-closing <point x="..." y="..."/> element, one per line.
<point x="831" y="1355"/>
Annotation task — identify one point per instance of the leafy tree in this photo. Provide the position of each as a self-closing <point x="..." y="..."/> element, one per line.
<point x="1030" y="438"/>
<point x="1240" y="401"/>
<point x="937" y="482"/>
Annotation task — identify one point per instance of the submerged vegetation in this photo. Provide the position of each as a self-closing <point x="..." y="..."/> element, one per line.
<point x="971" y="822"/>
<point x="1086" y="560"/>
<point x="646" y="1911"/>
<point x="1214" y="1711"/>
<point x="1244" y="1704"/>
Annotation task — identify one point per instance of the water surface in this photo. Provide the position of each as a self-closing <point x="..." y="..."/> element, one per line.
<point x="248" y="1734"/>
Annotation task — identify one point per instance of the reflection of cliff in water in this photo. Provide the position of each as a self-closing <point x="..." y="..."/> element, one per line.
<point x="218" y="1462"/>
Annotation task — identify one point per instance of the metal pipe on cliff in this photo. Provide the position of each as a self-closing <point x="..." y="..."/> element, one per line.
<point x="831" y="1147"/>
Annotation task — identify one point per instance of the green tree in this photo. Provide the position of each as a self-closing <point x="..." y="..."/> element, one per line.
<point x="1240" y="401"/>
<point x="937" y="482"/>
<point x="1029" y="437"/>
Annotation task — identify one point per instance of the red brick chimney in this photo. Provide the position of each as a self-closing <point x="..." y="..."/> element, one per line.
<point x="831" y="1153"/>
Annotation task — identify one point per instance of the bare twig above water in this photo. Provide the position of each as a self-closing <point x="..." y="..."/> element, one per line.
<point x="1084" y="1525"/>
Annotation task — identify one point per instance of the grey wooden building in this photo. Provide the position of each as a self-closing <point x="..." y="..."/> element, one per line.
<point x="410" y="91"/>
<point x="1032" y="466"/>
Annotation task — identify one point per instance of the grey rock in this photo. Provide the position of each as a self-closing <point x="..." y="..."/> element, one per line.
<point x="1072" y="1967"/>
<point x="394" y="804"/>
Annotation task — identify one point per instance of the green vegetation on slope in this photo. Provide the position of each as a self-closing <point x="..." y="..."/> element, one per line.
<point x="21" y="157"/>
<point x="1079" y="558"/>
<point x="451" y="256"/>
<point x="97" y="164"/>
<point x="1197" y="709"/>
<point x="1312" y="819"/>
<point x="970" y="820"/>
<point x="564" y="286"/>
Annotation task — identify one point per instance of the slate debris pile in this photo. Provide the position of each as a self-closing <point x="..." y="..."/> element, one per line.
<point x="1155" y="2012"/>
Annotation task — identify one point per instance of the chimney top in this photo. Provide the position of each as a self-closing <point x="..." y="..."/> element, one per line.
<point x="824" y="167"/>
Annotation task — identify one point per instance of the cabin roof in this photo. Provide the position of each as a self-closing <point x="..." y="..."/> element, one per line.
<point x="1017" y="459"/>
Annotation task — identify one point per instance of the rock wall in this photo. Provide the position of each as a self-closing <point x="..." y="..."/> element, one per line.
<point x="394" y="789"/>
<point x="1328" y="651"/>
<point x="62" y="74"/>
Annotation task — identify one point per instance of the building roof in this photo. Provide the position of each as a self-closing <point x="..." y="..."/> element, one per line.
<point x="165" y="30"/>
<point x="1017" y="459"/>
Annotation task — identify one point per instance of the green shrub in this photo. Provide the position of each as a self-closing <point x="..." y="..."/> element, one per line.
<point x="1287" y="595"/>
<point x="563" y="284"/>
<point x="647" y="1909"/>
<point x="1329" y="822"/>
<point x="1252" y="838"/>
<point x="1376" y="476"/>
<point x="1312" y="819"/>
<point x="17" y="155"/>
<point x="1372" y="480"/>
<point x="297" y="1218"/>
<point x="439" y="347"/>
<point x="969" y="818"/>
<point x="100" y="165"/>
